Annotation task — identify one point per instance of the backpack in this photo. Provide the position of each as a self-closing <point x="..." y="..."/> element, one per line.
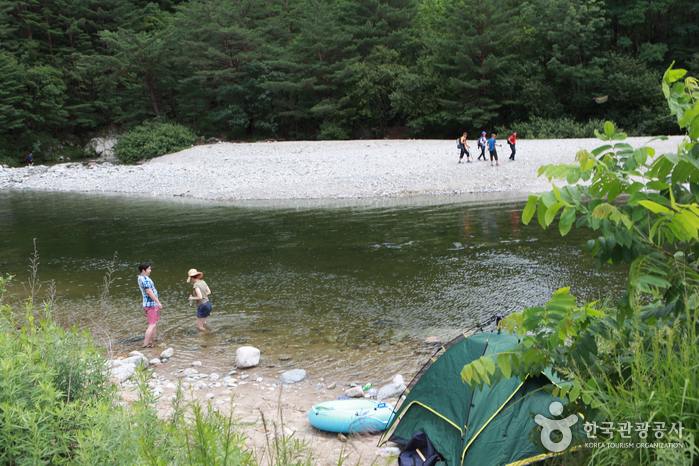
<point x="458" y="144"/>
<point x="419" y="452"/>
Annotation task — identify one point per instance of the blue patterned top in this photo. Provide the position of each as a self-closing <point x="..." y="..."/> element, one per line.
<point x="144" y="283"/>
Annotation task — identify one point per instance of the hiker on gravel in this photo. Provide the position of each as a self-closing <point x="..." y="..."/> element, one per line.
<point x="200" y="294"/>
<point x="464" y="148"/>
<point x="512" y="140"/>
<point x="482" y="141"/>
<point x="151" y="303"/>
<point x="492" y="150"/>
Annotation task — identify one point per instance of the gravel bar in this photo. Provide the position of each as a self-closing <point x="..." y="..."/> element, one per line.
<point x="317" y="170"/>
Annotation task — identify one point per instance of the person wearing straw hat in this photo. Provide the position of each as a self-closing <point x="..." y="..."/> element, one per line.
<point x="200" y="294"/>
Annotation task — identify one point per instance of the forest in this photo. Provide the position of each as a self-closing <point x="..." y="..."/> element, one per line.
<point x="336" y="69"/>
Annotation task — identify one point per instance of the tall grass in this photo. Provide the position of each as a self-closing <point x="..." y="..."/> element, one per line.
<point x="660" y="384"/>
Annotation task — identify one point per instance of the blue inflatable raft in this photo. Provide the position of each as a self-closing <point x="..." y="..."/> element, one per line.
<point x="351" y="416"/>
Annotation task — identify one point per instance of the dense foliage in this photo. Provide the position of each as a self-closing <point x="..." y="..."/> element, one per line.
<point x="636" y="361"/>
<point x="152" y="140"/>
<point x="250" y="69"/>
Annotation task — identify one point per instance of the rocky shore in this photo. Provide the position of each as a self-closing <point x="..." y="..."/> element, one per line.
<point x="315" y="170"/>
<point x="264" y="402"/>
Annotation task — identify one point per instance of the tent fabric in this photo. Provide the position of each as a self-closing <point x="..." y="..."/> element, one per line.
<point x="486" y="426"/>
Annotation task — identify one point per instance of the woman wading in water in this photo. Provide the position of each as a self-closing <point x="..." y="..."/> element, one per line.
<point x="200" y="294"/>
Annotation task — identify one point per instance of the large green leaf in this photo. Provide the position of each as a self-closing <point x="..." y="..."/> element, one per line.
<point x="655" y="208"/>
<point x="552" y="211"/>
<point x="504" y="364"/>
<point x="609" y="128"/>
<point x="529" y="209"/>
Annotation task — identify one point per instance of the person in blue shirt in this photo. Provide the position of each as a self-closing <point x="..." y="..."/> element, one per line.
<point x="30" y="159"/>
<point x="151" y="303"/>
<point x="492" y="150"/>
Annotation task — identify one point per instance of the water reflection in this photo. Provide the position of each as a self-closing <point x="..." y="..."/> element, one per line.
<point x="346" y="291"/>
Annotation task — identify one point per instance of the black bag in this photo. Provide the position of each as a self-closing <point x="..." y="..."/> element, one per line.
<point x="427" y="455"/>
<point x="458" y="144"/>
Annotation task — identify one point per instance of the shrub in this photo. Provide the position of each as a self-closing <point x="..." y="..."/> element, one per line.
<point x="53" y="392"/>
<point x="558" y="128"/>
<point x="330" y="131"/>
<point x="152" y="140"/>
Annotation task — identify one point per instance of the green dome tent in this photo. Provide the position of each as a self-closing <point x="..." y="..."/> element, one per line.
<point x="473" y="427"/>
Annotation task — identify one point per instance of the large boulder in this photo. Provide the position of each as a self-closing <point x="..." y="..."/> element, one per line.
<point x="355" y="392"/>
<point x="247" y="356"/>
<point x="123" y="372"/>
<point x="137" y="359"/>
<point x="292" y="376"/>
<point x="103" y="147"/>
<point x="392" y="390"/>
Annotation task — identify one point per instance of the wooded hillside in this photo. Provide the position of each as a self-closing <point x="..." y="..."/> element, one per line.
<point x="335" y="69"/>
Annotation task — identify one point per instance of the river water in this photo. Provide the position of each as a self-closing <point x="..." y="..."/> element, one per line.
<point x="347" y="290"/>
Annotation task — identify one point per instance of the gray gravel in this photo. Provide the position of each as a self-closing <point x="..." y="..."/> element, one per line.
<point x="316" y="170"/>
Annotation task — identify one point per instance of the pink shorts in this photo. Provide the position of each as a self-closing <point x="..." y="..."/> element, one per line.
<point x="152" y="314"/>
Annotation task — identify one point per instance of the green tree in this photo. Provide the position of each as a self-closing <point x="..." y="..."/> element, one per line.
<point x="10" y="92"/>
<point x="45" y="98"/>
<point x="465" y="43"/>
<point x="377" y="80"/>
<point x="143" y="59"/>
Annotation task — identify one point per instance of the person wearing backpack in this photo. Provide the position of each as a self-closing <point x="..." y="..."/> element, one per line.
<point x="463" y="145"/>
<point x="481" y="144"/>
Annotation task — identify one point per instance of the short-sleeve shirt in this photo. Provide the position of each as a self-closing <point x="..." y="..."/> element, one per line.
<point x="491" y="144"/>
<point x="513" y="140"/>
<point x="201" y="284"/>
<point x="145" y="283"/>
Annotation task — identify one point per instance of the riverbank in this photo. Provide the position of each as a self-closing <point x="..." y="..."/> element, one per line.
<point x="307" y="170"/>
<point x="264" y="407"/>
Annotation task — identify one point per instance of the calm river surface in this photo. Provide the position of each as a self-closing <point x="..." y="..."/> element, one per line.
<point x="347" y="291"/>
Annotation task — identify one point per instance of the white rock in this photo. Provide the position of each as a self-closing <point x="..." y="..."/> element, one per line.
<point x="155" y="361"/>
<point x="123" y="372"/>
<point x="167" y="354"/>
<point x="214" y="376"/>
<point x="354" y="392"/>
<point x="197" y="363"/>
<point x="292" y="376"/>
<point x="209" y="396"/>
<point x="190" y="371"/>
<point x="170" y="385"/>
<point x="390" y="391"/>
<point x="247" y="356"/>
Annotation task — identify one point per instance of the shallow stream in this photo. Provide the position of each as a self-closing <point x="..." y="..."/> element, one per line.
<point x="347" y="290"/>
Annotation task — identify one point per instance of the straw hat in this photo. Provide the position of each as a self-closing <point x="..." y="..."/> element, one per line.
<point x="193" y="273"/>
